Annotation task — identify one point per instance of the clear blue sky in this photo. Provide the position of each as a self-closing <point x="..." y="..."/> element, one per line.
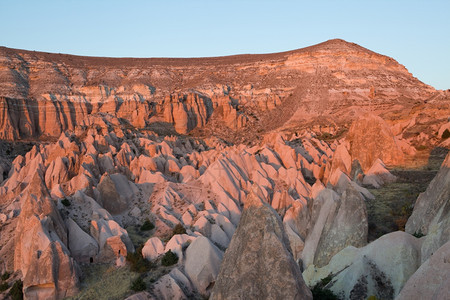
<point x="415" y="33"/>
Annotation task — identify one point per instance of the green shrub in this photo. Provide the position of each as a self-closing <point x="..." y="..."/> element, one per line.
<point x="137" y="262"/>
<point x="5" y="275"/>
<point x="179" y="229"/>
<point x="418" y="234"/>
<point x="169" y="258"/>
<point x="16" y="292"/>
<point x="138" y="285"/>
<point x="326" y="280"/>
<point x="4" y="286"/>
<point x="324" y="294"/>
<point x="65" y="202"/>
<point x="445" y="134"/>
<point x="320" y="292"/>
<point x="147" y="225"/>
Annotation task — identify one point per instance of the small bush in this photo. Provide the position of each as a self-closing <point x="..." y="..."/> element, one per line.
<point x="169" y="258"/>
<point x="324" y="294"/>
<point x="147" y="225"/>
<point x="5" y="275"/>
<point x="138" y="285"/>
<point x="320" y="292"/>
<point x="4" y="286"/>
<point x="16" y="292"/>
<point x="179" y="229"/>
<point x="326" y="280"/>
<point x="65" y="202"/>
<point x="421" y="147"/>
<point x="445" y="134"/>
<point x="418" y="234"/>
<point x="137" y="262"/>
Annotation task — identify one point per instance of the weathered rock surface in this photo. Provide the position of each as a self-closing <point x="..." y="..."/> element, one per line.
<point x="380" y="268"/>
<point x="41" y="252"/>
<point x="258" y="264"/>
<point x="431" y="214"/>
<point x="370" y="139"/>
<point x="432" y="206"/>
<point x="336" y="222"/>
<point x="432" y="279"/>
<point x="82" y="246"/>
<point x="174" y="285"/>
<point x="152" y="248"/>
<point x="202" y="264"/>
<point x="114" y="192"/>
<point x="378" y="175"/>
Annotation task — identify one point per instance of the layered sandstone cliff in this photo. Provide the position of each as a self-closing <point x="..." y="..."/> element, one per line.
<point x="43" y="94"/>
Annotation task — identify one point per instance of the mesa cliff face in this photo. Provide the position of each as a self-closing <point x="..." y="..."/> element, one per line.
<point x="43" y="94"/>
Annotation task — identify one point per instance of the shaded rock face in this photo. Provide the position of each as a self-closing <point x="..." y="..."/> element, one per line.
<point x="258" y="263"/>
<point x="202" y="264"/>
<point x="432" y="279"/>
<point x="81" y="245"/>
<point x="380" y="268"/>
<point x="111" y="199"/>
<point x="432" y="206"/>
<point x="431" y="214"/>
<point x="370" y="139"/>
<point x="336" y="222"/>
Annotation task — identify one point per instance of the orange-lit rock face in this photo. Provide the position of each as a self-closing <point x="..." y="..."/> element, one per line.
<point x="45" y="94"/>
<point x="370" y="138"/>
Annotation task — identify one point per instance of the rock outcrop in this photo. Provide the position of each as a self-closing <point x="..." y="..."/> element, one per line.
<point x="433" y="206"/>
<point x="202" y="264"/>
<point x="432" y="279"/>
<point x="379" y="269"/>
<point x="41" y="252"/>
<point x="336" y="222"/>
<point x="258" y="264"/>
<point x="378" y="175"/>
<point x="370" y="139"/>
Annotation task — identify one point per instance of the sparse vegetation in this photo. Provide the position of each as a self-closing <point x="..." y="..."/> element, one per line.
<point x="147" y="226"/>
<point x="16" y="292"/>
<point x="320" y="292"/>
<point x="326" y="280"/>
<point x="138" y="263"/>
<point x="421" y="147"/>
<point x="325" y="136"/>
<point x="105" y="282"/>
<point x="392" y="207"/>
<point x="4" y="286"/>
<point x="65" y="202"/>
<point x="137" y="236"/>
<point x="179" y="229"/>
<point x="138" y="285"/>
<point x="5" y="275"/>
<point x="418" y="234"/>
<point x="169" y="258"/>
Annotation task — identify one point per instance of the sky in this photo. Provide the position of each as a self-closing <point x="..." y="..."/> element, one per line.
<point x="415" y="33"/>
